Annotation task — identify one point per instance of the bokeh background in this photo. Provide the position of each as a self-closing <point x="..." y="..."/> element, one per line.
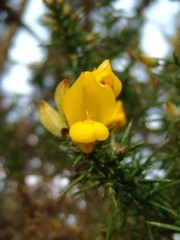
<point x="43" y="42"/>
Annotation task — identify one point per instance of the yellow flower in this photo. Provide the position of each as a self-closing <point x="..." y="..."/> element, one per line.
<point x="89" y="107"/>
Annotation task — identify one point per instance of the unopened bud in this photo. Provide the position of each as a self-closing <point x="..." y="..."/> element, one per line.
<point x="91" y="37"/>
<point x="66" y="9"/>
<point x="120" y="149"/>
<point x="171" y="110"/>
<point x="148" y="61"/>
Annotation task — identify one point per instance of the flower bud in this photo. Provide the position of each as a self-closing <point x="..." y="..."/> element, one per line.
<point x="66" y="9"/>
<point x="148" y="61"/>
<point x="91" y="37"/>
<point x="171" y="110"/>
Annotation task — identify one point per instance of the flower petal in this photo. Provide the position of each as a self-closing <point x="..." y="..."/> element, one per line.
<point x="51" y="119"/>
<point x="88" y="132"/>
<point x="118" y="117"/>
<point x="105" y="75"/>
<point x="88" y="99"/>
<point x="60" y="92"/>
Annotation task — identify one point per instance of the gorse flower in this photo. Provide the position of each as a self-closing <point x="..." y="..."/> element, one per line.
<point x="88" y="108"/>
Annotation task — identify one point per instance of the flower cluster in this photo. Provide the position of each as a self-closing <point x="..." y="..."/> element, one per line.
<point x="87" y="109"/>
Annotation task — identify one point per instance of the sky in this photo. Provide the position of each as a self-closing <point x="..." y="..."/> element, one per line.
<point x="26" y="49"/>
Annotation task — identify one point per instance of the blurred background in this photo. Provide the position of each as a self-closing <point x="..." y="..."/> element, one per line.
<point x="43" y="42"/>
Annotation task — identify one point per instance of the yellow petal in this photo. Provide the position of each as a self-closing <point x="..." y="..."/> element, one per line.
<point x="88" y="132"/>
<point x="172" y="110"/>
<point x="51" y="119"/>
<point x="88" y="98"/>
<point x="105" y="75"/>
<point x="60" y="92"/>
<point x="119" y="117"/>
